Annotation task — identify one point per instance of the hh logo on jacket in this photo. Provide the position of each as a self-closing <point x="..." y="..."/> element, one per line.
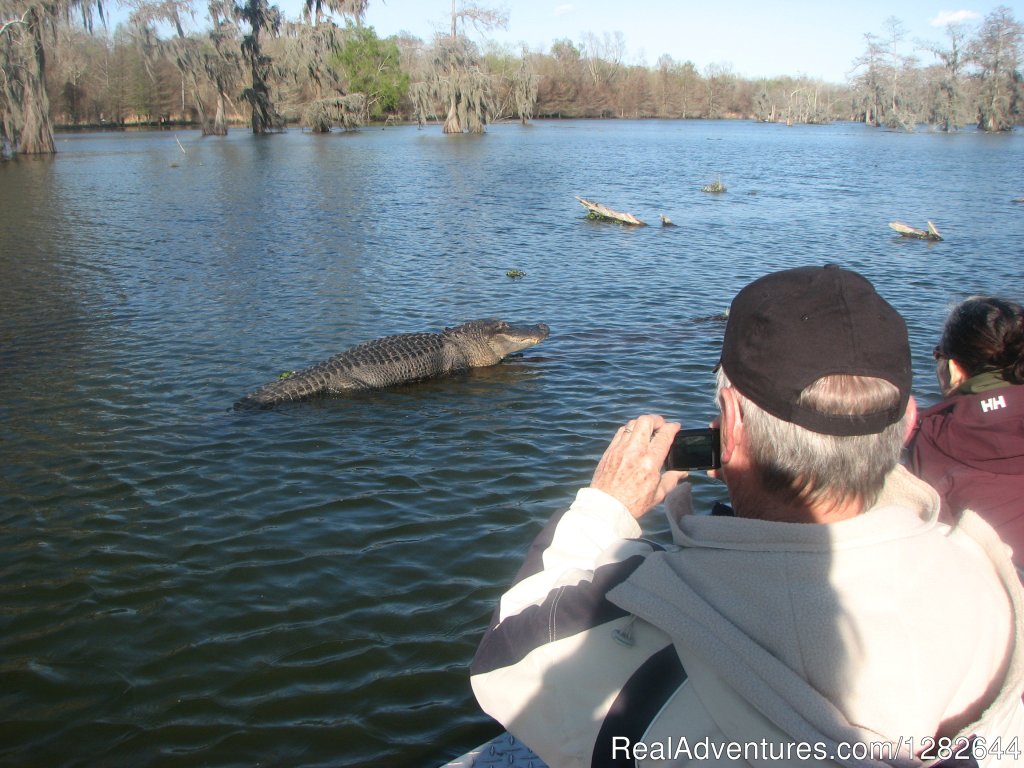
<point x="992" y="404"/>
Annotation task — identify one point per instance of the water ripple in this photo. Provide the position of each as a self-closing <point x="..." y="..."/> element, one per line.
<point x="306" y="586"/>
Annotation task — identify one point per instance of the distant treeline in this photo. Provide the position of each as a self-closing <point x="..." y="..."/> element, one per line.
<point x="252" y="67"/>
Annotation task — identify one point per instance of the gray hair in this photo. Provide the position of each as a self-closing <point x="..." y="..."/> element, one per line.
<point x="800" y="464"/>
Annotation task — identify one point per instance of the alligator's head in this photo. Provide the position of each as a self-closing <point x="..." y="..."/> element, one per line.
<point x="487" y="342"/>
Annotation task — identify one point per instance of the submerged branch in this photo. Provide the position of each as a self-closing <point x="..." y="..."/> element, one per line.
<point x="597" y="211"/>
<point x="908" y="231"/>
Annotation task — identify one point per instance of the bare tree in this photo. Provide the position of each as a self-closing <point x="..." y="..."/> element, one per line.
<point x="72" y="58"/>
<point x="765" y="106"/>
<point x="354" y="9"/>
<point x="114" y="74"/>
<point x="900" y="110"/>
<point x="25" y="123"/>
<point x="307" y="52"/>
<point x="896" y="33"/>
<point x="346" y="111"/>
<point x="633" y="94"/>
<point x="180" y="49"/>
<point x="514" y="82"/>
<point x="674" y="86"/>
<point x="455" y="77"/>
<point x="689" y="85"/>
<point x="307" y="57"/>
<point x="457" y="81"/>
<point x="483" y="19"/>
<point x="524" y="88"/>
<point x="663" y="84"/>
<point x="603" y="57"/>
<point x="202" y="61"/>
<point x="222" y="64"/>
<point x="719" y="82"/>
<point x="261" y="17"/>
<point x="997" y="53"/>
<point x="948" y="109"/>
<point x="870" y="82"/>
<point x="560" y="80"/>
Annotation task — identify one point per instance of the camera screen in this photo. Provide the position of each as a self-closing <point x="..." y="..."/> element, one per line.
<point x="694" y="449"/>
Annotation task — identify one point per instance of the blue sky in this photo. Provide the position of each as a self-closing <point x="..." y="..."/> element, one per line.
<point x="757" y="38"/>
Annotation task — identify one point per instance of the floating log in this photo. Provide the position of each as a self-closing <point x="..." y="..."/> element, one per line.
<point x="597" y="211"/>
<point x="908" y="231"/>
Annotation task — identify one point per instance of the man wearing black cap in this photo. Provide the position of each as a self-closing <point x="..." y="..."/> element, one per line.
<point x="830" y="621"/>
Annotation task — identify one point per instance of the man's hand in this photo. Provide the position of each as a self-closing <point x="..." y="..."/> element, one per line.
<point x="630" y="469"/>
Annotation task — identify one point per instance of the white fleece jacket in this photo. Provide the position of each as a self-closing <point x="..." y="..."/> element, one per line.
<point x="869" y="642"/>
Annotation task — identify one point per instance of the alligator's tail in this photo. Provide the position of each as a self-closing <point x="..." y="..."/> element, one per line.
<point x="292" y="386"/>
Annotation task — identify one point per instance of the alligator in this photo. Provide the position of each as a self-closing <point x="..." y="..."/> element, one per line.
<point x="401" y="359"/>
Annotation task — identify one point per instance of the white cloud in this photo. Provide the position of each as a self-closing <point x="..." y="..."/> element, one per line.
<point x="564" y="9"/>
<point x="952" y="17"/>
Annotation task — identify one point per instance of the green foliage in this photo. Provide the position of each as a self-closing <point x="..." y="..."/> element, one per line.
<point x="565" y="52"/>
<point x="515" y="274"/>
<point x="371" y="66"/>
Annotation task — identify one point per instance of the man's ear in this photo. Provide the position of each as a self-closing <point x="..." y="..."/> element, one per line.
<point x="731" y="422"/>
<point x="911" y="419"/>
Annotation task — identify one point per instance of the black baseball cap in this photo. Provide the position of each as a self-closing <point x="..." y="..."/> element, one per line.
<point x="788" y="329"/>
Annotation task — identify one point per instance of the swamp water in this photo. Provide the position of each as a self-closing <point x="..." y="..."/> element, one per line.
<point x="184" y="584"/>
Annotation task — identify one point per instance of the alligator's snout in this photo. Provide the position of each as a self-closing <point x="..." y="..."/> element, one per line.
<point x="540" y="331"/>
<point x="514" y="338"/>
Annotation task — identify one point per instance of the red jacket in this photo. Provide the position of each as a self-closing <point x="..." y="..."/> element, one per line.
<point x="970" y="448"/>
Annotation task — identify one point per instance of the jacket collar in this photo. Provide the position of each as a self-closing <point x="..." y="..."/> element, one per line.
<point x="905" y="506"/>
<point x="984" y="382"/>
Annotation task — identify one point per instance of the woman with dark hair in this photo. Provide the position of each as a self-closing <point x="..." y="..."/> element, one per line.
<point x="970" y="446"/>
